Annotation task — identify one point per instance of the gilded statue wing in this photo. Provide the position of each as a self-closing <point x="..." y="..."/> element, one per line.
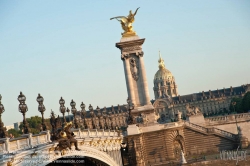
<point x="117" y="17"/>
<point x="120" y="18"/>
<point x="136" y="11"/>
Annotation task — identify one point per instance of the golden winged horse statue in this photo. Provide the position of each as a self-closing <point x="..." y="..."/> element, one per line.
<point x="126" y="23"/>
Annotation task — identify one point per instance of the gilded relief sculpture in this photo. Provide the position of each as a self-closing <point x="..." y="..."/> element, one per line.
<point x="126" y="23"/>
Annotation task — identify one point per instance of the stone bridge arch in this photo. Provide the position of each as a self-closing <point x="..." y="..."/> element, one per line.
<point x="86" y="151"/>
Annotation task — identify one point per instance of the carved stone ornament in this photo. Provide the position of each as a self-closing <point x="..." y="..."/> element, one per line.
<point x="132" y="48"/>
<point x="124" y="56"/>
<point x="192" y="110"/>
<point x="134" y="68"/>
<point x="140" y="53"/>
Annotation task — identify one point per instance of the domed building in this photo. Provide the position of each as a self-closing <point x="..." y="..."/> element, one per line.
<point x="164" y="81"/>
<point x="167" y="100"/>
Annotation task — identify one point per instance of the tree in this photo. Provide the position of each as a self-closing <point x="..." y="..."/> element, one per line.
<point x="237" y="107"/>
<point x="15" y="133"/>
<point x="246" y="102"/>
<point x="35" y="123"/>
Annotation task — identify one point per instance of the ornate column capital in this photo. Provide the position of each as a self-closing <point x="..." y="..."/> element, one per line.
<point x="130" y="47"/>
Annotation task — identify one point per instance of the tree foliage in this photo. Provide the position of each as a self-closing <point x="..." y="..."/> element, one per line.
<point x="237" y="107"/>
<point x="242" y="104"/>
<point x="35" y="123"/>
<point x="246" y="102"/>
<point x="15" y="133"/>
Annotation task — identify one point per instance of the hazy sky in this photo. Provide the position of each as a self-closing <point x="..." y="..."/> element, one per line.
<point x="67" y="48"/>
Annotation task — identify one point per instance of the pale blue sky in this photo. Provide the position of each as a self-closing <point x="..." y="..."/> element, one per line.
<point x="67" y="48"/>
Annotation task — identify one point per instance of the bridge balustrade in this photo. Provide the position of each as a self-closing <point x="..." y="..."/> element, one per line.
<point x="24" y="142"/>
<point x="94" y="133"/>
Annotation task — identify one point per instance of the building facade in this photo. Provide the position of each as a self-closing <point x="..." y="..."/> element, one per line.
<point x="167" y="101"/>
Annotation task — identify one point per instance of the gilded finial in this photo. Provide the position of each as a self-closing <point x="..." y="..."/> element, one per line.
<point x="161" y="61"/>
<point x="160" y="55"/>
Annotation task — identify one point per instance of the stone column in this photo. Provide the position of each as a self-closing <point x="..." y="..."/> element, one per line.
<point x="145" y="82"/>
<point x="128" y="78"/>
<point x="159" y="92"/>
<point x="135" y="74"/>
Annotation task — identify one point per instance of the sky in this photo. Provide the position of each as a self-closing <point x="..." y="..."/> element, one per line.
<point x="67" y="48"/>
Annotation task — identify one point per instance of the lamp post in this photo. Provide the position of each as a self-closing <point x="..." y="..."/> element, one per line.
<point x="98" y="124"/>
<point x="104" y="114"/>
<point x="123" y="151"/>
<point x="130" y="107"/>
<point x="73" y="110"/>
<point x="41" y="108"/>
<point x="23" y="109"/>
<point x="92" y="115"/>
<point x="62" y="109"/>
<point x="3" y="133"/>
<point x="68" y="113"/>
<point x="237" y="127"/>
<point x="233" y="104"/>
<point x="83" y="112"/>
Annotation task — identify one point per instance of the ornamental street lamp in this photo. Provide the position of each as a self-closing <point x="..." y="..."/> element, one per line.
<point x="123" y="151"/>
<point x="73" y="110"/>
<point x="123" y="146"/>
<point x="23" y="109"/>
<point x="237" y="127"/>
<point x="130" y="107"/>
<point x="68" y="113"/>
<point x="62" y="109"/>
<point x="233" y="104"/>
<point x="83" y="112"/>
<point x="98" y="124"/>
<point x="91" y="110"/>
<point x="98" y="112"/>
<point x="104" y="113"/>
<point x="92" y="115"/>
<point x="3" y="133"/>
<point x="41" y="108"/>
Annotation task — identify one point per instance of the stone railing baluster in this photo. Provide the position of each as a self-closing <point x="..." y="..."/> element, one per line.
<point x="7" y="147"/>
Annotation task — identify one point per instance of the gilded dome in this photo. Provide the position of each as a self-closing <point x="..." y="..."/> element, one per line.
<point x="162" y="73"/>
